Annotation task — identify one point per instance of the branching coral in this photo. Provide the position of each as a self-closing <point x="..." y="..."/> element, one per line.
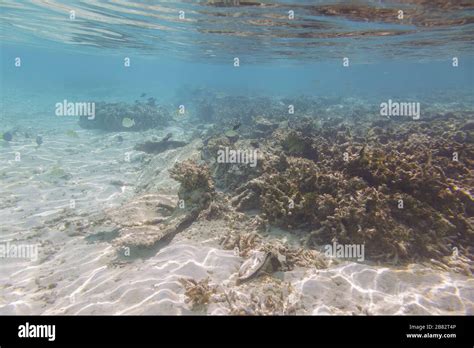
<point x="198" y="293"/>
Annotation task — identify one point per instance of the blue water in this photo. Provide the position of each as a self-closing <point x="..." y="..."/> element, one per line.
<point x="388" y="57"/>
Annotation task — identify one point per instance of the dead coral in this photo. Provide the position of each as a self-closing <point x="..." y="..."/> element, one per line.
<point x="242" y="243"/>
<point x="217" y="209"/>
<point x="263" y="127"/>
<point x="270" y="297"/>
<point x="232" y="164"/>
<point x="339" y="175"/>
<point x="353" y="191"/>
<point x="198" y="293"/>
<point x="288" y="257"/>
<point x="435" y="188"/>
<point x="298" y="145"/>
<point x="197" y="186"/>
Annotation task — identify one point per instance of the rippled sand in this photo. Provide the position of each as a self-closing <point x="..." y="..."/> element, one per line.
<point x="78" y="272"/>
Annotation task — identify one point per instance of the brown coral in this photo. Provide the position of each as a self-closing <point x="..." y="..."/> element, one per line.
<point x="196" y="184"/>
<point x="352" y="192"/>
<point x="198" y="293"/>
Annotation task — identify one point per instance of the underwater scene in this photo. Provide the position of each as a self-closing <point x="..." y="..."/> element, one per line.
<point x="234" y="157"/>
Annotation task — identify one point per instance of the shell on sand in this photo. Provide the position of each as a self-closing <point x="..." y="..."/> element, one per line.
<point x="253" y="265"/>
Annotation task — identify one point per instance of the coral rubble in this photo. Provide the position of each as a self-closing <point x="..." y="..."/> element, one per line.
<point x="393" y="186"/>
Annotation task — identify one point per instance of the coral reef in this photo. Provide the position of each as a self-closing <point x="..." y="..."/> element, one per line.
<point x="357" y="180"/>
<point x="403" y="189"/>
<point x="217" y="108"/>
<point x="230" y="175"/>
<point x="300" y="146"/>
<point x="197" y="187"/>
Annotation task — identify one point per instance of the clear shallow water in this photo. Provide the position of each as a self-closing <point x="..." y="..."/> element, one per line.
<point x="179" y="62"/>
<point x="409" y="56"/>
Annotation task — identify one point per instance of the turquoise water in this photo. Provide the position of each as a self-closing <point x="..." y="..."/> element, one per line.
<point x="387" y="56"/>
<point x="84" y="191"/>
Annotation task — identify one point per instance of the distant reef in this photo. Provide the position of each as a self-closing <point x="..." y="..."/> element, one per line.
<point x="119" y="117"/>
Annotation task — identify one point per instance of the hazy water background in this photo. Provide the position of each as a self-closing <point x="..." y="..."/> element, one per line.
<point x="70" y="72"/>
<point x="389" y="58"/>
